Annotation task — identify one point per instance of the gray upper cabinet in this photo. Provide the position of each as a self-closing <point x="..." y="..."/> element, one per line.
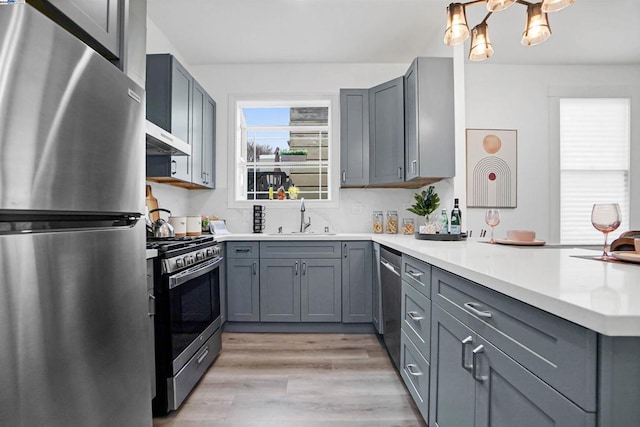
<point x="202" y="137"/>
<point x="179" y="105"/>
<point x="354" y="137"/>
<point x="96" y="22"/>
<point x="169" y="105"/>
<point x="209" y="144"/>
<point x="357" y="279"/>
<point x="386" y="132"/>
<point x="429" y="120"/>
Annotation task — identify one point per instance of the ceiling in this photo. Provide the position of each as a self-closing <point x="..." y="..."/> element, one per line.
<point x="386" y="31"/>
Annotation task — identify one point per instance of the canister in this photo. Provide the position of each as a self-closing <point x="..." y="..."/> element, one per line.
<point x="194" y="225"/>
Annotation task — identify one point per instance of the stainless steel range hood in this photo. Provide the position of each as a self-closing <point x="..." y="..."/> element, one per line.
<point x="160" y="142"/>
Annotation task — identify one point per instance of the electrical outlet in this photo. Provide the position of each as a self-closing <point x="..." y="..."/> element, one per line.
<point x="356" y="208"/>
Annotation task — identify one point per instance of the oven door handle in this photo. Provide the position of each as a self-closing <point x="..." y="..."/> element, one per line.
<point x="193" y="272"/>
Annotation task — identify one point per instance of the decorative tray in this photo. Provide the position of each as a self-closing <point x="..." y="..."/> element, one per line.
<point x="442" y="237"/>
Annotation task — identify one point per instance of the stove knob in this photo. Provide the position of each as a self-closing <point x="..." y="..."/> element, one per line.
<point x="209" y="252"/>
<point x="187" y="261"/>
<point x="192" y="259"/>
<point x="199" y="256"/>
<point x="179" y="263"/>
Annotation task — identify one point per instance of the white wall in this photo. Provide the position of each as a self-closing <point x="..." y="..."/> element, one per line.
<point x="517" y="97"/>
<point x="354" y="206"/>
<point x="223" y="81"/>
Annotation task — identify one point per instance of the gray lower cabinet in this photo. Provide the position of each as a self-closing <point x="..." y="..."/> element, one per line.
<point x="386" y="132"/>
<point x="376" y="313"/>
<point x="280" y="290"/>
<point x="243" y="289"/>
<point x="320" y="290"/>
<point x="300" y="290"/>
<point x="473" y="383"/>
<point x="357" y="282"/>
<point x="354" y="137"/>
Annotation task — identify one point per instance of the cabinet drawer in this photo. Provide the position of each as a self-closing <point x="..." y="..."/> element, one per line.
<point x="418" y="274"/>
<point x="242" y="250"/>
<point x="416" y="318"/>
<point x="311" y="249"/>
<point x="414" y="370"/>
<point x="561" y="353"/>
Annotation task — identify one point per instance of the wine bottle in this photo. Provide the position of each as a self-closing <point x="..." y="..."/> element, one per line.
<point x="456" y="219"/>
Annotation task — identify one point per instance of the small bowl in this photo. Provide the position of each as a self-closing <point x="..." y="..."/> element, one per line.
<point x="636" y="244"/>
<point x="521" y="235"/>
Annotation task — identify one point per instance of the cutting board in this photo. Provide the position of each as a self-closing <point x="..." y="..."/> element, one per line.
<point x="152" y="203"/>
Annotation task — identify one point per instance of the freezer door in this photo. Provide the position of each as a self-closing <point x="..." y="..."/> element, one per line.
<point x="73" y="325"/>
<point x="71" y="123"/>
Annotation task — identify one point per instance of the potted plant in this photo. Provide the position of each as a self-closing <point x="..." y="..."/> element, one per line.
<point x="293" y="155"/>
<point x="426" y="202"/>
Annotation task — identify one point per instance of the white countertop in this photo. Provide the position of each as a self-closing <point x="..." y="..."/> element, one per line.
<point x="152" y="253"/>
<point x="601" y="296"/>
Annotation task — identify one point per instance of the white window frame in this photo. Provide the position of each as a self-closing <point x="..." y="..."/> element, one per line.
<point x="555" y="94"/>
<point x="290" y="100"/>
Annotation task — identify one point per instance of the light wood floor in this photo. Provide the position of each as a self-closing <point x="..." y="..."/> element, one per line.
<point x="305" y="380"/>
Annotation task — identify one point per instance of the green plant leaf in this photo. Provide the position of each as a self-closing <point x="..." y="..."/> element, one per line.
<point x="426" y="202"/>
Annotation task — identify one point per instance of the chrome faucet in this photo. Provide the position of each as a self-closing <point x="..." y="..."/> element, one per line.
<point x="303" y="225"/>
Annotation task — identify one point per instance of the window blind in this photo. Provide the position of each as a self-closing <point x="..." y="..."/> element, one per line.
<point x="594" y="164"/>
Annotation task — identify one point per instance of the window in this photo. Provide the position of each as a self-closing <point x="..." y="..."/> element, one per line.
<point x="594" y="163"/>
<point x="283" y="148"/>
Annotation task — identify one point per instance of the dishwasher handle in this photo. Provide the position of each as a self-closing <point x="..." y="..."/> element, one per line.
<point x="389" y="266"/>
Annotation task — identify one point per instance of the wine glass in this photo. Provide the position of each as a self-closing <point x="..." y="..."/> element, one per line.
<point x="606" y="218"/>
<point x="492" y="218"/>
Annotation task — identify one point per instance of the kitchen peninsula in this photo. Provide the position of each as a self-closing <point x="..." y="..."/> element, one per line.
<point x="560" y="331"/>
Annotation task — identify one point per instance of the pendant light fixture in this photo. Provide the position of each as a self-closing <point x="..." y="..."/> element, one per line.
<point x="537" y="28"/>
<point x="481" y="47"/>
<point x="457" y="29"/>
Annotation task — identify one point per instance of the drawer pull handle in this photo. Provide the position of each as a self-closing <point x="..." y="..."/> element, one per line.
<point x="465" y="342"/>
<point x="413" y="370"/>
<point x="415" y="274"/>
<point x="203" y="355"/>
<point x="415" y="316"/>
<point x="472" y="307"/>
<point x="243" y="251"/>
<point x="475" y="352"/>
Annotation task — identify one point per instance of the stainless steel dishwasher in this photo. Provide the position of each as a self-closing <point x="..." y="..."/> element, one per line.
<point x="390" y="278"/>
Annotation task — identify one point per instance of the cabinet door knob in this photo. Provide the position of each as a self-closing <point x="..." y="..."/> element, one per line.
<point x="472" y="307"/>
<point x="468" y="340"/>
<point x="415" y="316"/>
<point x="479" y="349"/>
<point x="413" y="370"/>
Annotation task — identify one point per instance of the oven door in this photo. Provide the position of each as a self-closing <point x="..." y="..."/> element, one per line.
<point x="194" y="309"/>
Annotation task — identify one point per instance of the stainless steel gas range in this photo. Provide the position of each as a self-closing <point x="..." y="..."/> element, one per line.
<point x="187" y="315"/>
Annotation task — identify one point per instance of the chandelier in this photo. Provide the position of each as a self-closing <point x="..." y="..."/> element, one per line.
<point x="536" y="29"/>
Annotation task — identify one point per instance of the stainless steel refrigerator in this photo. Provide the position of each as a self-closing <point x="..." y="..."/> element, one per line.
<point x="73" y="302"/>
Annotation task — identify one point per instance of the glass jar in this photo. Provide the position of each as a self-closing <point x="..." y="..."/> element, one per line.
<point x="408" y="226"/>
<point x="377" y="222"/>
<point x="392" y="222"/>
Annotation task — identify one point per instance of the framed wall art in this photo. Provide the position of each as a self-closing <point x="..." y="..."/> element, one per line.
<point x="492" y="162"/>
